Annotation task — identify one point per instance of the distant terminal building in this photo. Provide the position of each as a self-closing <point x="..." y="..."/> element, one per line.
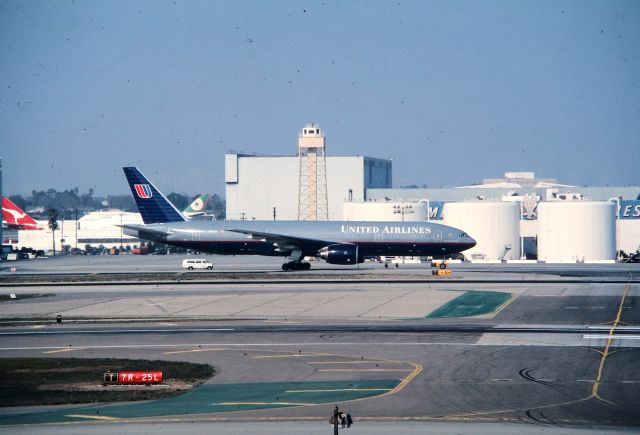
<point x="96" y="229"/>
<point x="281" y="187"/>
<point x="520" y="216"/>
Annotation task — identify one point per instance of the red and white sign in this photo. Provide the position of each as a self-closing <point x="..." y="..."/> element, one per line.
<point x="139" y="377"/>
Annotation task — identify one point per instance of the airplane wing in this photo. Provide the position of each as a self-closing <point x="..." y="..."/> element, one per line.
<point x="144" y="232"/>
<point x="285" y="242"/>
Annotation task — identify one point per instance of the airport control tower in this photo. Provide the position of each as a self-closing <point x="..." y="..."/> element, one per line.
<point x="312" y="194"/>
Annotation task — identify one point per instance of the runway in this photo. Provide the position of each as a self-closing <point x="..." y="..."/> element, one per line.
<point x="553" y="354"/>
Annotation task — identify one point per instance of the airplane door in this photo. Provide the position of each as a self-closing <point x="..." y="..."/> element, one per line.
<point x="437" y="236"/>
<point x="195" y="235"/>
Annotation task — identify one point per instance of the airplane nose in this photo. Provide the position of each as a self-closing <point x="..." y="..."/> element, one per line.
<point x="472" y="243"/>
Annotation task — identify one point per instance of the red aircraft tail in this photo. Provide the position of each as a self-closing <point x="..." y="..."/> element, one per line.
<point x="15" y="217"/>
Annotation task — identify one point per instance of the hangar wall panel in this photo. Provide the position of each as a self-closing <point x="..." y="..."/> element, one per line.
<point x="384" y="211"/>
<point x="267" y="182"/>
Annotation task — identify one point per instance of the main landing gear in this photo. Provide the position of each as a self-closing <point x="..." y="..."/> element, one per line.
<point x="296" y="265"/>
<point x="442" y="264"/>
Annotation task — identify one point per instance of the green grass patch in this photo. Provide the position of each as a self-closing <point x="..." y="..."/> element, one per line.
<point x="472" y="303"/>
<point x="210" y="398"/>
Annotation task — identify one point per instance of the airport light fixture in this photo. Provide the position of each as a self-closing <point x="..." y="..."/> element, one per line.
<point x="617" y="201"/>
<point x="522" y="256"/>
<point x="75" y="210"/>
<point x="403" y="209"/>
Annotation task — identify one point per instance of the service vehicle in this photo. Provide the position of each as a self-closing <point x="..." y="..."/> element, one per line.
<point x="197" y="263"/>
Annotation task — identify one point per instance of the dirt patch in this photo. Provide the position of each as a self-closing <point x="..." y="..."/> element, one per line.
<point x="58" y="381"/>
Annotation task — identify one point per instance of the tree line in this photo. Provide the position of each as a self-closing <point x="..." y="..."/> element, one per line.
<point x="68" y="203"/>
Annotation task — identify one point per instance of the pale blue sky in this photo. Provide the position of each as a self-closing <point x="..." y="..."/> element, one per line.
<point x="452" y="91"/>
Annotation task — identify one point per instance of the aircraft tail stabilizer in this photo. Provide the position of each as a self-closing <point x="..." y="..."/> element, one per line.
<point x="198" y="205"/>
<point x="152" y="204"/>
<point x="16" y="217"/>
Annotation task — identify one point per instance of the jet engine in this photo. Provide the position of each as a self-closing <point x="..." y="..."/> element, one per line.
<point x="341" y="254"/>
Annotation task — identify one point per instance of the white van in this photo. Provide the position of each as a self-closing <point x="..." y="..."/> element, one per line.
<point x="197" y="263"/>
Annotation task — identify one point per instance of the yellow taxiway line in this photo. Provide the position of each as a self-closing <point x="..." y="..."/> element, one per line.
<point x="263" y="403"/>
<point x="92" y="417"/>
<point x="66" y="349"/>
<point x="366" y="370"/>
<point x="191" y="351"/>
<point x="338" y="389"/>
<point x="605" y="354"/>
<point x="293" y="355"/>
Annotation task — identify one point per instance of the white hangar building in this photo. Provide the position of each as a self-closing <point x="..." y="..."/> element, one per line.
<point x="257" y="187"/>
<point x="99" y="228"/>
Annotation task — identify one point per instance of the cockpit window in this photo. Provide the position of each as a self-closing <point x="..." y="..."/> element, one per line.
<point x="464" y="235"/>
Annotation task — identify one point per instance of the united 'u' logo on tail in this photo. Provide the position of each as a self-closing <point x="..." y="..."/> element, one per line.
<point x="143" y="191"/>
<point x="152" y="204"/>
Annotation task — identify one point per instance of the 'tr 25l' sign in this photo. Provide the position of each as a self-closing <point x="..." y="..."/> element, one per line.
<point x="139" y="377"/>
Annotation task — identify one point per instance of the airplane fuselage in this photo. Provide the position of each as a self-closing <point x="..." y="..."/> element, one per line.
<point x="371" y="238"/>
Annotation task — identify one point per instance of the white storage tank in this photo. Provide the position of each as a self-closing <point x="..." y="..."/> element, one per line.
<point x="494" y="225"/>
<point x="576" y="231"/>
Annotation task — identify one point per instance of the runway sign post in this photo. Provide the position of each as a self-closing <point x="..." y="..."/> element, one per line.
<point x="110" y="378"/>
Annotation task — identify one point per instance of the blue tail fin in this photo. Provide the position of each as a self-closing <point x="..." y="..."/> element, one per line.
<point x="152" y="204"/>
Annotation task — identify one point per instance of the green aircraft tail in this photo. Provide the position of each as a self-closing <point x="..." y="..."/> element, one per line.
<point x="198" y="205"/>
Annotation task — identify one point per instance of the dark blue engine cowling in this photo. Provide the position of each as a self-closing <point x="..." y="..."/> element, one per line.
<point x="341" y="254"/>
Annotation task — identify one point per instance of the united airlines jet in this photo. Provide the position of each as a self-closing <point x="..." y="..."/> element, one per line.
<point x="336" y="242"/>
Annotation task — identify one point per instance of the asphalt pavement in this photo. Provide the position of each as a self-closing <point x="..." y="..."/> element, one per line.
<point x="554" y="355"/>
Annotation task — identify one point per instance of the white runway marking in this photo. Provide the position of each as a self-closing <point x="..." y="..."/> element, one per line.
<point x="183" y="345"/>
<point x="117" y="331"/>
<point x="613" y="337"/>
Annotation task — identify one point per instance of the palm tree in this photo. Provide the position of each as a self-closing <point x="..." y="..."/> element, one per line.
<point x="53" y="225"/>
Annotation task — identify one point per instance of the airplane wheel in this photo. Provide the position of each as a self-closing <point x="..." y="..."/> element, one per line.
<point x="443" y="265"/>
